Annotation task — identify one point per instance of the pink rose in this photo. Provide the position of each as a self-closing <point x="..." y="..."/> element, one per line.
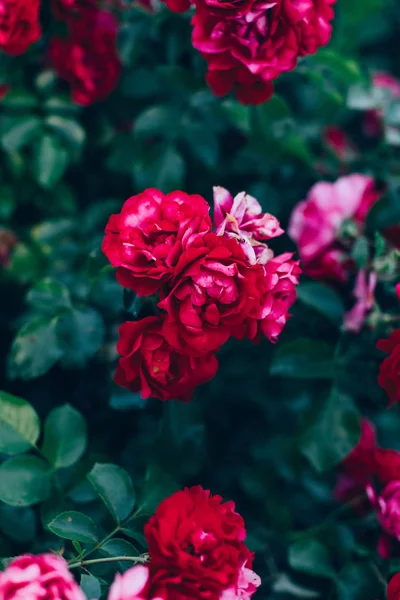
<point x="387" y="506"/>
<point x="364" y="294"/>
<point x="41" y="577"/>
<point x="145" y="239"/>
<point x="386" y="88"/>
<point x="247" y="44"/>
<point x="242" y="218"/>
<point x="315" y="223"/>
<point x="339" y="143"/>
<point x="247" y="584"/>
<point x="132" y="585"/>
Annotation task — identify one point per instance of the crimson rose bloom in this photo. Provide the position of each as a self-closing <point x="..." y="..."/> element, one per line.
<point x="196" y="547"/>
<point x="389" y="372"/>
<point x="42" y="577"/>
<point x="248" y="43"/>
<point x="19" y="25"/>
<point x="150" y="365"/>
<point x="145" y="239"/>
<point x="393" y="589"/>
<point x="88" y="58"/>
<point x="387" y="506"/>
<point x="212" y="292"/>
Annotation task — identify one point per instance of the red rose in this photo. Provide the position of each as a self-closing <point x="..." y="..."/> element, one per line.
<point x="41" y="577"/>
<point x="196" y="547"/>
<point x="145" y="239"/>
<point x="389" y="372"/>
<point x="212" y="292"/>
<point x="88" y="58"/>
<point x="149" y="365"/>
<point x="249" y="43"/>
<point x="19" y="25"/>
<point x="393" y="589"/>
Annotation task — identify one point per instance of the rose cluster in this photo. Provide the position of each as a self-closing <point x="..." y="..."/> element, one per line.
<point x="211" y="285"/>
<point x="86" y="58"/>
<point x="196" y="550"/>
<point x="249" y="43"/>
<point x="370" y="478"/>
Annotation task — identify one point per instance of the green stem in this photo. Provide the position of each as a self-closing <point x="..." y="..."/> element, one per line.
<point x="100" y="544"/>
<point x="95" y="561"/>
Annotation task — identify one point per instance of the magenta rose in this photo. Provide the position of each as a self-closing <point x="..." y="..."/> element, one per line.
<point x="41" y="577"/>
<point x="212" y="292"/>
<point x="134" y="584"/>
<point x="316" y="223"/>
<point x="389" y="372"/>
<point x="150" y="365"/>
<point x="387" y="506"/>
<point x="247" y="44"/>
<point x="145" y="239"/>
<point x="19" y="25"/>
<point x="88" y="59"/>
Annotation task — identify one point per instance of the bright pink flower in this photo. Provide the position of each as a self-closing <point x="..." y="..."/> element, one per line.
<point x="197" y="550"/>
<point x="149" y="365"/>
<point x="41" y="577"/>
<point x="364" y="294"/>
<point x="276" y="283"/>
<point x="134" y="584"/>
<point x="316" y="222"/>
<point x="19" y="25"/>
<point x="247" y="44"/>
<point x="145" y="240"/>
<point x="398" y="290"/>
<point x="88" y="59"/>
<point x="389" y="372"/>
<point x="212" y="292"/>
<point x="387" y="506"/>
<point x="242" y="219"/>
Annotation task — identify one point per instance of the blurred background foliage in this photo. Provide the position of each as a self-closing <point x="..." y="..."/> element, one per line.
<point x="270" y="428"/>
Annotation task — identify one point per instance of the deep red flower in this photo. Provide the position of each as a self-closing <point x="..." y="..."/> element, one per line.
<point x="248" y="43"/>
<point x="145" y="239"/>
<point x="88" y="58"/>
<point x="387" y="506"/>
<point x="212" y="292"/>
<point x="19" y="25"/>
<point x="149" y="365"/>
<point x="196" y="546"/>
<point x="389" y="372"/>
<point x="393" y="589"/>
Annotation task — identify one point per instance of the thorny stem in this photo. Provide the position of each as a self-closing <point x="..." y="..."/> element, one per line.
<point x="95" y="561"/>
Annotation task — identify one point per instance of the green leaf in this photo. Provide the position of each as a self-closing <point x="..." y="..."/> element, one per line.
<point x="312" y="557"/>
<point x="19" y="425"/>
<point x="270" y="112"/>
<point x="163" y="167"/>
<point x="69" y="130"/>
<point x="76" y="526"/>
<point x="20" y="133"/>
<point x="91" y="587"/>
<point x="332" y="433"/>
<point x="284" y="585"/>
<point x="80" y="334"/>
<point x="357" y="581"/>
<point x="50" y="161"/>
<point x="49" y="296"/>
<point x="303" y="359"/>
<point x="35" y="349"/>
<point x="157" y="120"/>
<point x="24" y="480"/>
<point x="115" y="488"/>
<point x="360" y="252"/>
<point x="19" y="524"/>
<point x="323" y="299"/>
<point x="65" y="437"/>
